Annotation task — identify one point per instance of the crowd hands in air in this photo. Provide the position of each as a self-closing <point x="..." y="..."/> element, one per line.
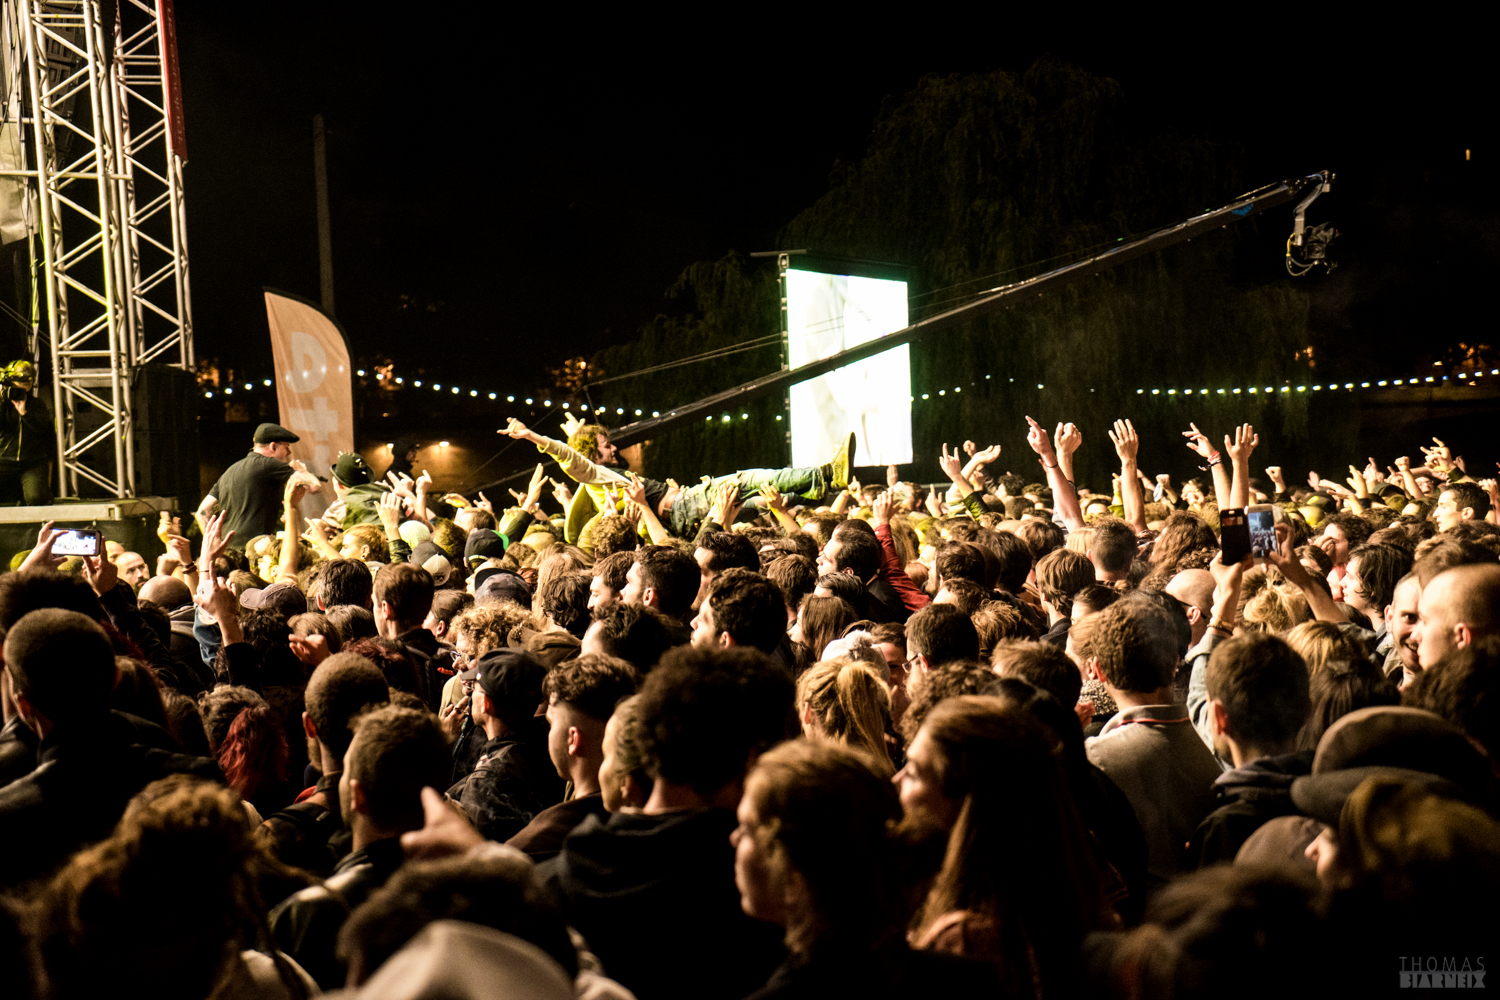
<point x="1007" y="737"/>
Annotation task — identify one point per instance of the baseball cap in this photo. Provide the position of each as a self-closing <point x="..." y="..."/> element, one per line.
<point x="433" y="560"/>
<point x="284" y="597"/>
<point x="511" y="677"/>
<point x="494" y="584"/>
<point x="482" y="544"/>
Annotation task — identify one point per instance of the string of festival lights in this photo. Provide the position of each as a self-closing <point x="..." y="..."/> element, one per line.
<point x="1427" y="382"/>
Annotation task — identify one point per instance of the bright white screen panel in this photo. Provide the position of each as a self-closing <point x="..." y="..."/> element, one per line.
<point x="828" y="313"/>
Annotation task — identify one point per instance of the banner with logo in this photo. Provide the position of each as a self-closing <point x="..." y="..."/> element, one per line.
<point x="314" y="383"/>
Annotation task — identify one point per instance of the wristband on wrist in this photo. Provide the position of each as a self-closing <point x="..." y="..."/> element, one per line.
<point x="1219" y="624"/>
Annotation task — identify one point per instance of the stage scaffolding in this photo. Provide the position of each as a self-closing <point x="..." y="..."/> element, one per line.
<point x="93" y="92"/>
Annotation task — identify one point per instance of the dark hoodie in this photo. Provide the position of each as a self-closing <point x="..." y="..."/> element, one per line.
<point x="655" y="898"/>
<point x="1247" y="798"/>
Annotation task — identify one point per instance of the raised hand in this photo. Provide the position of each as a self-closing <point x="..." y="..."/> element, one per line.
<point x="1125" y="440"/>
<point x="952" y="467"/>
<point x="969" y="448"/>
<point x="483" y="503"/>
<point x="401" y="485"/>
<point x="534" y="488"/>
<point x="1245" y="440"/>
<point x="570" y="423"/>
<point x="213" y="544"/>
<point x="772" y="497"/>
<point x="1164" y="481"/>
<point x="561" y="493"/>
<point x="882" y="508"/>
<point x="726" y="503"/>
<point x="892" y="477"/>
<point x="1314" y="480"/>
<point x="217" y="599"/>
<point x="100" y="574"/>
<point x="636" y="491"/>
<point x="515" y="429"/>
<point x="987" y="455"/>
<point x="1198" y="441"/>
<point x="1040" y="442"/>
<point x="180" y="549"/>
<point x="1066" y="439"/>
<point x="390" y="514"/>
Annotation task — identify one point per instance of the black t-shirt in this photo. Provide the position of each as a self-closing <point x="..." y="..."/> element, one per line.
<point x="250" y="493"/>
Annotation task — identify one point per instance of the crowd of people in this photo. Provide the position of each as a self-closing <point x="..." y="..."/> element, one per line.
<point x="775" y="734"/>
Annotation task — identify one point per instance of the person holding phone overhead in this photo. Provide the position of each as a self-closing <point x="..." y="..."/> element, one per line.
<point x="26" y="438"/>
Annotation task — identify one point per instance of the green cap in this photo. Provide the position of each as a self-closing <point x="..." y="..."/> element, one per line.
<point x="351" y="470"/>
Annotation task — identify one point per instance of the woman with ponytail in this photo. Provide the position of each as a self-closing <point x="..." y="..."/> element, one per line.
<point x="1018" y="886"/>
<point x="247" y="740"/>
<point x="845" y="701"/>
<point x="816" y="852"/>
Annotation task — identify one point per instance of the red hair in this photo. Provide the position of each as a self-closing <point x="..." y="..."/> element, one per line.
<point x="254" y="752"/>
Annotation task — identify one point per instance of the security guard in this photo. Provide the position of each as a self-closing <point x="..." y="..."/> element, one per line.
<point x="27" y="437"/>
<point x="251" y="491"/>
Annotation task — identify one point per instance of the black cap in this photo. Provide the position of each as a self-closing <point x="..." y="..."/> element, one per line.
<point x="498" y="585"/>
<point x="510" y="677"/>
<point x="271" y="433"/>
<point x="482" y="544"/>
<point x="351" y="470"/>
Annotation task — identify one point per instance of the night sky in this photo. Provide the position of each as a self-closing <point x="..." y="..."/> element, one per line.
<point x="505" y="195"/>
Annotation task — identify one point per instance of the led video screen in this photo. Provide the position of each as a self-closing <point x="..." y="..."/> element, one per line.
<point x="828" y="313"/>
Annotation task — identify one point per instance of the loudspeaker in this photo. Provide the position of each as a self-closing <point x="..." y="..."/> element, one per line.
<point x="164" y="403"/>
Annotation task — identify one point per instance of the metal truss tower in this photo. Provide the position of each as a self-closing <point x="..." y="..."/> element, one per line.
<point x="104" y="136"/>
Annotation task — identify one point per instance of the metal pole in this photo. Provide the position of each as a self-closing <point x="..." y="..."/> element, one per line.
<point x="325" y="237"/>
<point x="43" y="166"/>
<point x="109" y="253"/>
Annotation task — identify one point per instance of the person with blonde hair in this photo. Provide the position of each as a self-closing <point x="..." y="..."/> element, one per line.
<point x="1275" y="609"/>
<point x="1321" y="644"/>
<point x="845" y="701"/>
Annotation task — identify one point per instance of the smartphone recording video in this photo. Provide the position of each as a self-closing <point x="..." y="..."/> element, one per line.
<point x="1261" y="520"/>
<point x="1234" y="535"/>
<point x="77" y="542"/>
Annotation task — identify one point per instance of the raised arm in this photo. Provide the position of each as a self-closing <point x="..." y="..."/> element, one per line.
<point x="1058" y="463"/>
<point x="1198" y="442"/>
<point x="1245" y="440"/>
<point x="636" y="494"/>
<point x="1284" y="559"/>
<point x="890" y="565"/>
<point x="966" y="492"/>
<point x="777" y="506"/>
<point x="1132" y="497"/>
<point x="577" y="466"/>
